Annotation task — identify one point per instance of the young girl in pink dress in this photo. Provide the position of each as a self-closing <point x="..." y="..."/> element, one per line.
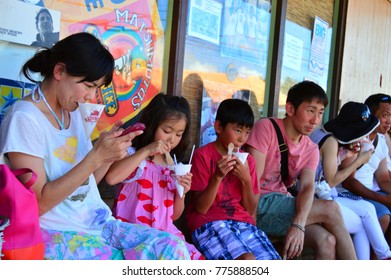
<point x="147" y="191"/>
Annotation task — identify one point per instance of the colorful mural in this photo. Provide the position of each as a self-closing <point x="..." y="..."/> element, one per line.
<point x="133" y="32"/>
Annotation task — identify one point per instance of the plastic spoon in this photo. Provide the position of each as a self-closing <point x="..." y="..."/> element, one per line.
<point x="169" y="159"/>
<point x="230" y="148"/>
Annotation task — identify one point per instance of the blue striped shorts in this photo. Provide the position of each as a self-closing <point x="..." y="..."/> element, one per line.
<point x="228" y="240"/>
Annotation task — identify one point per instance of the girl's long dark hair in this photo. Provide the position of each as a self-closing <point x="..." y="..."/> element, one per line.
<point x="162" y="108"/>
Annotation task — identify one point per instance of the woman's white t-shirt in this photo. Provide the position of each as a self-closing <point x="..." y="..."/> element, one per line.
<point x="366" y="173"/>
<point x="26" y="130"/>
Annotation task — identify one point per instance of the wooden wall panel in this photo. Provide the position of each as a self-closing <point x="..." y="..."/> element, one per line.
<point x="367" y="52"/>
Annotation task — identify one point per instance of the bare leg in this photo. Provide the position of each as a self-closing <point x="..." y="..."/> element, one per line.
<point x="384" y="224"/>
<point x="246" y="256"/>
<point x="328" y="214"/>
<point x="388" y="236"/>
<point x="322" y="241"/>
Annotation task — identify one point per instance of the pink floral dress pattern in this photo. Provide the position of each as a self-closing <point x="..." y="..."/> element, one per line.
<point x="147" y="197"/>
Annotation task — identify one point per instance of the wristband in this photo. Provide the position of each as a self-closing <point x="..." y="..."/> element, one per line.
<point x="299" y="227"/>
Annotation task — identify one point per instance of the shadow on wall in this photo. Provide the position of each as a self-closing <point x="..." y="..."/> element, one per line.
<point x="192" y="88"/>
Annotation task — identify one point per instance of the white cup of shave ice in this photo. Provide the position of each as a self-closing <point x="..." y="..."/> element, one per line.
<point x="181" y="169"/>
<point x="367" y="145"/>
<point x="242" y="156"/>
<point x="90" y="114"/>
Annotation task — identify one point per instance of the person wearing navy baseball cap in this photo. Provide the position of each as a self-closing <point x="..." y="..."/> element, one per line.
<point x="353" y="122"/>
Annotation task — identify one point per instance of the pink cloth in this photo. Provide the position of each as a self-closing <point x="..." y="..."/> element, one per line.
<point x="301" y="156"/>
<point x="227" y="204"/>
<point x="147" y="197"/>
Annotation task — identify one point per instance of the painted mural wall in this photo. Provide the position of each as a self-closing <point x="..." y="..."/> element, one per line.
<point x="133" y="30"/>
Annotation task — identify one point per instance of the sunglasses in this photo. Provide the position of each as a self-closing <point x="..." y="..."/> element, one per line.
<point x="386" y="98"/>
<point x="378" y="99"/>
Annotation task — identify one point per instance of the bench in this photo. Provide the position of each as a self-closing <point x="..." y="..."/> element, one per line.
<point x="108" y="195"/>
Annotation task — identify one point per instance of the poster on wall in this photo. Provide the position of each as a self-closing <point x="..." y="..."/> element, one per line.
<point x="297" y="48"/>
<point x="39" y="27"/>
<point x="318" y="47"/>
<point x="245" y="32"/>
<point x="10" y="92"/>
<point x="133" y="32"/>
<point x="293" y="52"/>
<point x="204" y="20"/>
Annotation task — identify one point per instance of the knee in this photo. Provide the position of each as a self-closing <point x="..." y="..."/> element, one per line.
<point x="384" y="222"/>
<point x="327" y="240"/>
<point x="246" y="256"/>
<point x="366" y="210"/>
<point x="325" y="246"/>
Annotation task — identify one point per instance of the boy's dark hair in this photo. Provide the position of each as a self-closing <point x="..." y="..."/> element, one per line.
<point x="82" y="54"/>
<point x="235" y="111"/>
<point x="374" y="100"/>
<point x="306" y="91"/>
<point x="164" y="107"/>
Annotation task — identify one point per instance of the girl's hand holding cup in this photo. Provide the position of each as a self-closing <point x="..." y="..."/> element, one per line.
<point x="183" y="178"/>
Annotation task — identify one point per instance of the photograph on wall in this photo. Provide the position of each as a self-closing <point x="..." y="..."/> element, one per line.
<point x="205" y="20"/>
<point x="40" y="26"/>
<point x="245" y="31"/>
<point x="35" y="2"/>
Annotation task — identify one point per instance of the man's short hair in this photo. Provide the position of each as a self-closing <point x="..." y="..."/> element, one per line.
<point x="374" y="100"/>
<point x="306" y="91"/>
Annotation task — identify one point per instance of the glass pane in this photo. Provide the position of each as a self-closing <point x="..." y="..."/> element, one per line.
<point x="225" y="56"/>
<point x="307" y="42"/>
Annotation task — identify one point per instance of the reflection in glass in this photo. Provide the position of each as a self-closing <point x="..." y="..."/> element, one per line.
<point x="232" y="66"/>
